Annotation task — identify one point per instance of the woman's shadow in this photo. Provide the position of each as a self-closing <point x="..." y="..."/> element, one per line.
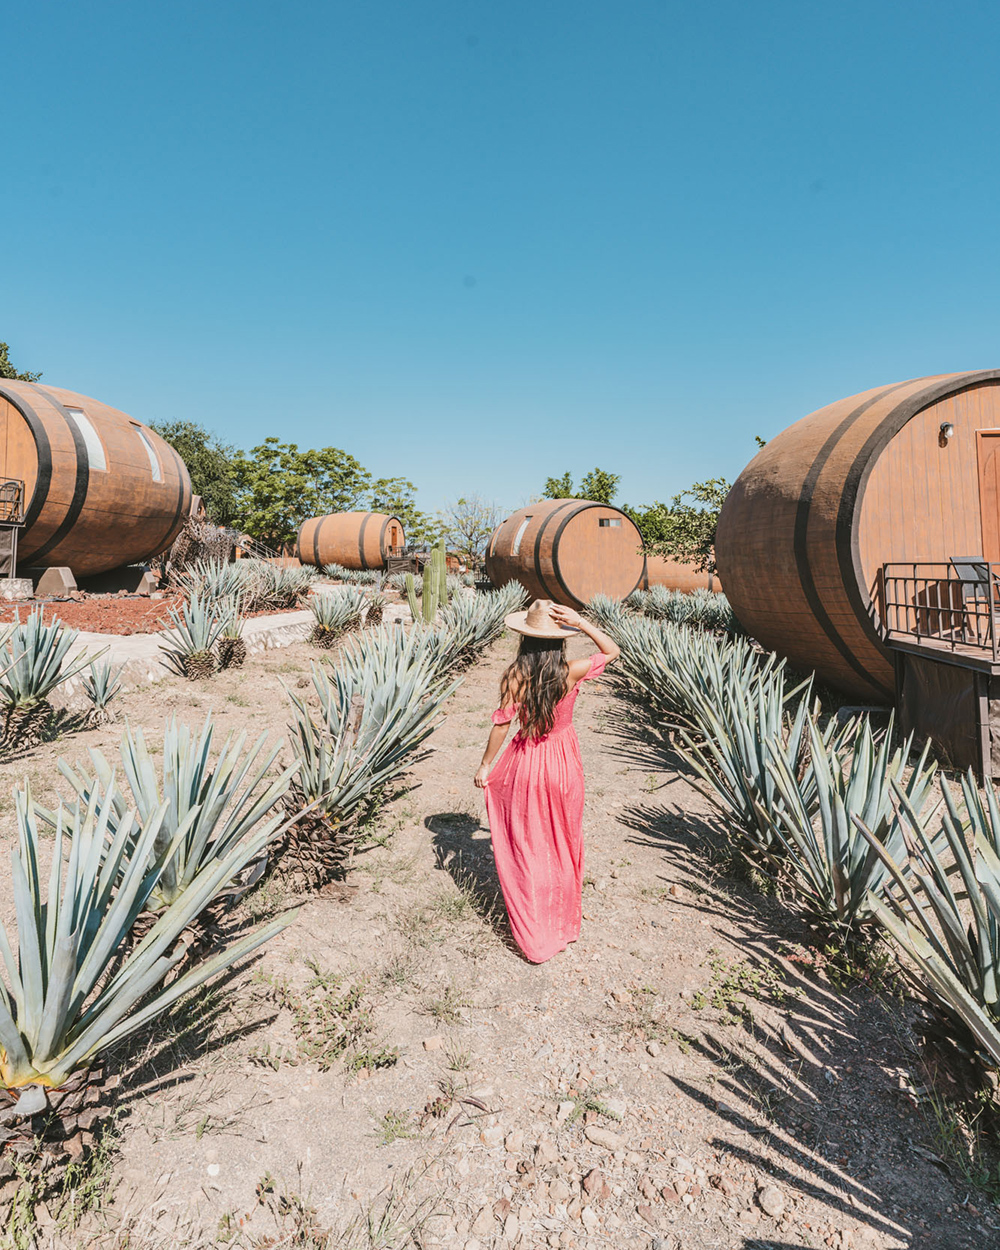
<point x="462" y="849"/>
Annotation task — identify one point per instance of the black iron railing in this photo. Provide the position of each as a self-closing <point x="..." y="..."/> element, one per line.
<point x="11" y="501"/>
<point x="951" y="605"/>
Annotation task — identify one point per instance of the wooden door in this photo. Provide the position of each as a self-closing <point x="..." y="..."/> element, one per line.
<point x="988" y="454"/>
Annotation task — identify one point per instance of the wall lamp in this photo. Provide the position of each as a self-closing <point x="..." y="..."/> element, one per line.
<point x="946" y="431"/>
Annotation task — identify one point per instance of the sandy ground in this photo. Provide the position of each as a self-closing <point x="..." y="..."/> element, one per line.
<point x="677" y="1080"/>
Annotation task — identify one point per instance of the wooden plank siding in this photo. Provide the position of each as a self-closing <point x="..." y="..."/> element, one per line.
<point x="810" y="521"/>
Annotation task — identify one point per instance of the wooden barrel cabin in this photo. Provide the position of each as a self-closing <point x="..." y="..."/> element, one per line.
<point x="676" y="575"/>
<point x="567" y="550"/>
<point x="354" y="540"/>
<point x="855" y="521"/>
<point x="101" y="489"/>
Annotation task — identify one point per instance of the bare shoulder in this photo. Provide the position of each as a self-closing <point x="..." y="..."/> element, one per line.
<point x="578" y="669"/>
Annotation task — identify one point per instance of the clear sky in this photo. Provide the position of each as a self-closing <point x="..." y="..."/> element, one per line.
<point x="477" y="243"/>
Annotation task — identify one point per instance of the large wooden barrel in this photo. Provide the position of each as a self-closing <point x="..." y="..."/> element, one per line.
<point x="355" y="540"/>
<point x="676" y="575"/>
<point x="567" y="550"/>
<point x="101" y="488"/>
<point x="865" y="481"/>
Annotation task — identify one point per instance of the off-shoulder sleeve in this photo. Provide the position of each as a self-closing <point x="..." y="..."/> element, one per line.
<point x="597" y="663"/>
<point x="504" y="715"/>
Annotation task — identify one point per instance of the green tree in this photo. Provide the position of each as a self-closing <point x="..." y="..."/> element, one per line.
<point x="597" y="485"/>
<point x="685" y="528"/>
<point x="210" y="464"/>
<point x="279" y="486"/>
<point x="397" y="496"/>
<point x="467" y="524"/>
<point x="7" y="370"/>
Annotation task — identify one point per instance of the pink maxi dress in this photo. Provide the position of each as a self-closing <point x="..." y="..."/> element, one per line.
<point x="534" y="800"/>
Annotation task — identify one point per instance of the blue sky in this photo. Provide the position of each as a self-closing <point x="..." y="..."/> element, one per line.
<point x="477" y="244"/>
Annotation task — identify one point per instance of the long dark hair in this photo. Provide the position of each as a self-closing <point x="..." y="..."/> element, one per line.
<point x="536" y="681"/>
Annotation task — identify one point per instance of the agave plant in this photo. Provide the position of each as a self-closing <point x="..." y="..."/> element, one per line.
<point x="222" y="811"/>
<point x="34" y="661"/>
<point x="196" y="629"/>
<point x="336" y="612"/>
<point x="376" y="609"/>
<point x="610" y="614"/>
<point x="376" y="709"/>
<point x="951" y="932"/>
<point x="835" y="869"/>
<point x="232" y="649"/>
<point x="101" y="684"/>
<point x="74" y="988"/>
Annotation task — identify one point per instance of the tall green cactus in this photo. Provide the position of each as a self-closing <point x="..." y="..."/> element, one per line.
<point x="430" y="593"/>
<point x="411" y="596"/>
<point x="441" y="559"/>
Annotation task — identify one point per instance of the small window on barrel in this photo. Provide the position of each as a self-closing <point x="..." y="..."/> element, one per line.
<point x="607" y="522"/>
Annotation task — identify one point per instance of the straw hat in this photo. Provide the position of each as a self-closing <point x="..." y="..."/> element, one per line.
<point x="537" y="622"/>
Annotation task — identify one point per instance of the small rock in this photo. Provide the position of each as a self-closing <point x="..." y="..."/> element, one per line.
<point x="653" y="1049"/>
<point x="544" y="1051"/>
<point x="482" y="1225"/>
<point x="492" y="1137"/>
<point x="545" y="1152"/>
<point x="646" y="1213"/>
<point x="772" y="1200"/>
<point x="617" y="1107"/>
<point x="590" y="1218"/>
<point x="514" y="1142"/>
<point x="593" y="1182"/>
<point x="501" y="1208"/>
<point x="564" y="1110"/>
<point x="681" y="1163"/>
<point x="511" y="1227"/>
<point x="213" y="1169"/>
<point x="558" y="1191"/>
<point x="603" y="1137"/>
<point x="670" y="1195"/>
<point x="434" y="1043"/>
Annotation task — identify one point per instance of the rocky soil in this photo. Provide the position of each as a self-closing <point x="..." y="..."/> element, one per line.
<point x="683" y="1077"/>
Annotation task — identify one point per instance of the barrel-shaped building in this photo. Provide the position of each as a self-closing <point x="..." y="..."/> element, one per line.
<point x="899" y="476"/>
<point x="567" y="550"/>
<point x="100" y="489"/>
<point x="354" y="540"/>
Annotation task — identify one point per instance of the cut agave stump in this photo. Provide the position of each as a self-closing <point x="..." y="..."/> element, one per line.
<point x="26" y="727"/>
<point x="567" y="550"/>
<point x="324" y="638"/>
<point x="101" y="489"/>
<point x="45" y="1130"/>
<point x="232" y="652"/>
<point x="354" y="540"/>
<point x="200" y="664"/>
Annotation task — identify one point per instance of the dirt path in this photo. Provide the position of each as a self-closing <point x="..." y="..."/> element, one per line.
<point x="672" y="1081"/>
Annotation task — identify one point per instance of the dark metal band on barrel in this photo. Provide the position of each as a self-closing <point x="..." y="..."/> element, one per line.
<point x="361" y="539"/>
<point x="80" y="486"/>
<point x="43" y="447"/>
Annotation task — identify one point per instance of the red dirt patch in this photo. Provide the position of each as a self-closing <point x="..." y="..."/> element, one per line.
<point x="102" y="614"/>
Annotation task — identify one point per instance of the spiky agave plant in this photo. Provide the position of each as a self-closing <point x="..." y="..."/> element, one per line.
<point x="336" y="612"/>
<point x="833" y="867"/>
<point x="34" y="661"/>
<point x="944" y="911"/>
<point x="376" y="609"/>
<point x="196" y="628"/>
<point x="217" y="810"/>
<point x="101" y="684"/>
<point x="375" y="710"/>
<point x="73" y="988"/>
<point x="232" y="650"/>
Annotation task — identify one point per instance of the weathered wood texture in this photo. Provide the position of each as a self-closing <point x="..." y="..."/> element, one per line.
<point x="676" y="575"/>
<point x="567" y="550"/>
<point x="810" y="521"/>
<point x="354" y="540"/>
<point x="90" y="474"/>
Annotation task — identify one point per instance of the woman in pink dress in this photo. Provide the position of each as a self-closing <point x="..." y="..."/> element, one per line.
<point x="534" y="796"/>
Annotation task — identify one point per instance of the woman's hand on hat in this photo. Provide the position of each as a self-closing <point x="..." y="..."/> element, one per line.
<point x="565" y="617"/>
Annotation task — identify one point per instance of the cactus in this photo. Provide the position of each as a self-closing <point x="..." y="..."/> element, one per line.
<point x="429" y="598"/>
<point x="411" y="596"/>
<point x="441" y="561"/>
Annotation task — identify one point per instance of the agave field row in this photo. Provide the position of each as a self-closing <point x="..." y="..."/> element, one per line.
<point x="869" y="838"/>
<point x="149" y="849"/>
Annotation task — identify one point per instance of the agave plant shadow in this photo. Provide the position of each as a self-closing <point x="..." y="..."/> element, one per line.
<point x="462" y="849"/>
<point x="202" y="1023"/>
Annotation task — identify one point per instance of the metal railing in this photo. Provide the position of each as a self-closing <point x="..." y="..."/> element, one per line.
<point x="11" y="501"/>
<point x="943" y="605"/>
